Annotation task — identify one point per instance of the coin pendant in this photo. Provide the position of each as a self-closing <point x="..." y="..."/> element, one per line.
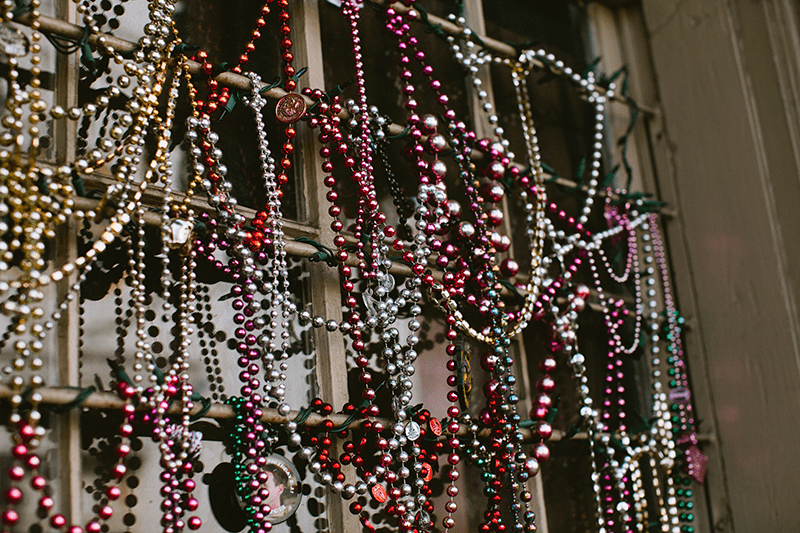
<point x="290" y="108"/>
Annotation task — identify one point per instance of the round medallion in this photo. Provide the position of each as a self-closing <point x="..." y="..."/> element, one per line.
<point x="282" y="482"/>
<point x="177" y="232"/>
<point x="285" y="490"/>
<point x="290" y="108"/>
<point x="412" y="430"/>
<point x="379" y="493"/>
<point x="13" y="42"/>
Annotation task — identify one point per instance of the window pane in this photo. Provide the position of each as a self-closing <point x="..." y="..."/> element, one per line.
<point x="109" y="334"/>
<point x="222" y="31"/>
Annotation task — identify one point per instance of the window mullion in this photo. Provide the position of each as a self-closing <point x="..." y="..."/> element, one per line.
<point x="68" y="331"/>
<point x="331" y="365"/>
<point x="66" y="92"/>
<point x="607" y="44"/>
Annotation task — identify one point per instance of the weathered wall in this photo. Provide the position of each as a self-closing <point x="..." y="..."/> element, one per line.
<point x="727" y="77"/>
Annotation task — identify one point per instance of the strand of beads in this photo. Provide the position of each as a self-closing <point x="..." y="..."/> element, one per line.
<point x="368" y="229"/>
<point x="623" y="221"/>
<point x="177" y="444"/>
<point x="398" y="198"/>
<point x="290" y="85"/>
<point x="497" y="166"/>
<point x="250" y="448"/>
<point x="326" y="468"/>
<point x="602" y="483"/>
<point x="472" y="61"/>
<point x="415" y="510"/>
<point x="431" y="191"/>
<point x="501" y="387"/>
<point x="169" y="437"/>
<point x="370" y="220"/>
<point x="217" y="97"/>
<point x="630" y="256"/>
<point x="566" y="327"/>
<point x="437" y="143"/>
<point x="369" y="215"/>
<point x="244" y="58"/>
<point x="30" y="212"/>
<point x="32" y="217"/>
<point x="630" y="471"/>
<point x="131" y="149"/>
<point x="277" y="285"/>
<point x="560" y="252"/>
<point x="588" y="85"/>
<point x="29" y="432"/>
<point x="681" y="421"/>
<point x="352" y="324"/>
<point x="186" y="441"/>
<point x="175" y="232"/>
<point x="399" y="361"/>
<point x="326" y="119"/>
<point x="328" y="122"/>
<point x="535" y="210"/>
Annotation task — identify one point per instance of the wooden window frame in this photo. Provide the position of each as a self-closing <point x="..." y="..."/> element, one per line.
<point x="618" y="38"/>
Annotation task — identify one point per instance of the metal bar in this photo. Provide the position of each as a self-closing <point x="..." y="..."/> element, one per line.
<point x="300" y="249"/>
<point x="230" y="79"/>
<point x="220" y="411"/>
<point x="217" y="411"/>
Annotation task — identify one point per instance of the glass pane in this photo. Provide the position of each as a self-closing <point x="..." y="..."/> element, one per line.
<point x="17" y="43"/>
<point x="109" y="340"/>
<point x="221" y="31"/>
<point x="395" y="180"/>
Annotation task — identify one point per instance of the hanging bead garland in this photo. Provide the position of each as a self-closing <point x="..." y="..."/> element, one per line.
<point x="457" y="255"/>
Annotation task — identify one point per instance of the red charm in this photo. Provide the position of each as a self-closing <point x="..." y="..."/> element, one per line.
<point x="698" y="462"/>
<point x="427" y="472"/>
<point x="436" y="426"/>
<point x="379" y="493"/>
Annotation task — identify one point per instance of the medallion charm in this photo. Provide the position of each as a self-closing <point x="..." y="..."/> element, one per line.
<point x="12" y="41"/>
<point x="290" y="108"/>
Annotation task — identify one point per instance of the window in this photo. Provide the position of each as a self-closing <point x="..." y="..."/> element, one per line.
<point x="182" y="308"/>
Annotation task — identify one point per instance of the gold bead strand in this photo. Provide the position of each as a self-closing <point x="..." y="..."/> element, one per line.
<point x="519" y="74"/>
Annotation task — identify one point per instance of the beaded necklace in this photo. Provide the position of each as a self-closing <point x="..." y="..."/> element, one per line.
<point x="257" y="265"/>
<point x="500" y="391"/>
<point x="170" y="437"/>
<point x="613" y="317"/>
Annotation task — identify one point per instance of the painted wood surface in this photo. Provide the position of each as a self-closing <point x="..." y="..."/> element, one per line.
<point x="725" y="71"/>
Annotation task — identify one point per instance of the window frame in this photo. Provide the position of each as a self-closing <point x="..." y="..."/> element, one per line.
<point x="617" y="35"/>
